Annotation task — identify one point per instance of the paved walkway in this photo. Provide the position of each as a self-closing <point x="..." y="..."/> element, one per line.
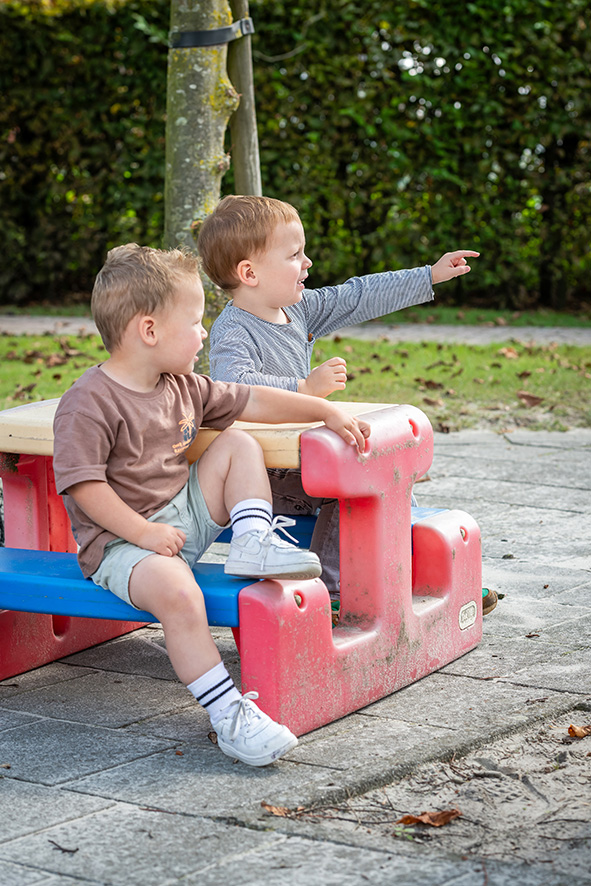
<point x="476" y="335"/>
<point x="108" y="778"/>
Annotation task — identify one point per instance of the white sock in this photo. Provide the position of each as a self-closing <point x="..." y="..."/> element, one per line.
<point x="252" y="513"/>
<point x="215" y="690"/>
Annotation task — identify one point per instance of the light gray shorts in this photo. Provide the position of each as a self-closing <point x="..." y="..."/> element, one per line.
<point x="186" y="511"/>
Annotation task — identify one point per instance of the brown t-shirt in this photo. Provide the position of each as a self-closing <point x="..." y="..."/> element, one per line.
<point x="134" y="441"/>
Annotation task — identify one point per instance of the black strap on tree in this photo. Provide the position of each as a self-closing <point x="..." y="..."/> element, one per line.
<point x="189" y="39"/>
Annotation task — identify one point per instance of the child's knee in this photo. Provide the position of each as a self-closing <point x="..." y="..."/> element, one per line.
<point x="241" y="443"/>
<point x="183" y="599"/>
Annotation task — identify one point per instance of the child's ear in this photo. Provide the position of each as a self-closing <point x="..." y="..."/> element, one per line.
<point x="147" y="330"/>
<point x="246" y="273"/>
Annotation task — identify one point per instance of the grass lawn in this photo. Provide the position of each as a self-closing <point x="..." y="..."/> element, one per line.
<point x="457" y="386"/>
<point x="462" y="386"/>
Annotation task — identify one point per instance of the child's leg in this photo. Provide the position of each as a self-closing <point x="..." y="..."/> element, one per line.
<point x="289" y="497"/>
<point x="234" y="482"/>
<point x="166" y="587"/>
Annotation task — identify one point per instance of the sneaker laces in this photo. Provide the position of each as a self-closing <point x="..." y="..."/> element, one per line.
<point x="278" y="525"/>
<point x="243" y="709"/>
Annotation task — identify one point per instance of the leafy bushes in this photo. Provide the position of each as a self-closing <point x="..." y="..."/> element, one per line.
<point x="81" y="157"/>
<point x="399" y="130"/>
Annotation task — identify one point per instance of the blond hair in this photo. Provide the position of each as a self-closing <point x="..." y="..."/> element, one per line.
<point x="136" y="280"/>
<point x="237" y="229"/>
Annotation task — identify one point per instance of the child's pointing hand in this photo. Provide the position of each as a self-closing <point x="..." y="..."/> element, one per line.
<point x="452" y="264"/>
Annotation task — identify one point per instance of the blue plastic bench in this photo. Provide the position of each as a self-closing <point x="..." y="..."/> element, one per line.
<point x="51" y="582"/>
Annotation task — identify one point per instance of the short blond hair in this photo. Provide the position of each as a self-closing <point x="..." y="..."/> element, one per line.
<point x="238" y="228"/>
<point x="137" y="280"/>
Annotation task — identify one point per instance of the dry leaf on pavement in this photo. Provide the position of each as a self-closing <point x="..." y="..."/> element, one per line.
<point x="579" y="731"/>
<point x="434" y="819"/>
<point x="282" y="811"/>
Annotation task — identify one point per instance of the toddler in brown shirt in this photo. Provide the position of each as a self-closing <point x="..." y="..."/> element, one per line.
<point x="140" y="514"/>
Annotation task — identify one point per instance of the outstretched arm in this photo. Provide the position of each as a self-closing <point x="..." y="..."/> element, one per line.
<point x="105" y="508"/>
<point x="452" y="264"/>
<point x="275" y="407"/>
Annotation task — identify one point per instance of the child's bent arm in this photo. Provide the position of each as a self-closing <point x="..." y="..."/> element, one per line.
<point x="105" y="508"/>
<point x="276" y="407"/>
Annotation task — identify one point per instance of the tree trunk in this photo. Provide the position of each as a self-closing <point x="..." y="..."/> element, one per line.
<point x="243" y="123"/>
<point x="200" y="101"/>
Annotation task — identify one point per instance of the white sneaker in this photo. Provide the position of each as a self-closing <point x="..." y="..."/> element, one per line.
<point x="260" y="553"/>
<point x="250" y="735"/>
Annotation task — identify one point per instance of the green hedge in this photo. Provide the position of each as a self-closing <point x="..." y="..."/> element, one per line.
<point x="400" y="130"/>
<point x="82" y="153"/>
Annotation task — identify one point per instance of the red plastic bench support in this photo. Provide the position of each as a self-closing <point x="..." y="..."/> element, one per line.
<point x="393" y="630"/>
<point x="34" y="517"/>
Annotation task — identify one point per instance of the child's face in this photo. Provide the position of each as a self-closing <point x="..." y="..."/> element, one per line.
<point x="283" y="267"/>
<point x="181" y="331"/>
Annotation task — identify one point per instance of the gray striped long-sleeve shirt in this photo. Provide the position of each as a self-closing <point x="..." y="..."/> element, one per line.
<point x="252" y="351"/>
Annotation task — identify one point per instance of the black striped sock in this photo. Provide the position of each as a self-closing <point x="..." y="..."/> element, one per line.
<point x="252" y="513"/>
<point x="215" y="690"/>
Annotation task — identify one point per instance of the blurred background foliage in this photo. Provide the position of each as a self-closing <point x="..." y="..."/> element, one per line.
<point x="399" y="130"/>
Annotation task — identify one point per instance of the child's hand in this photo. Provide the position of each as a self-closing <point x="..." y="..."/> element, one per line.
<point x="353" y="430"/>
<point x="324" y="379"/>
<point x="451" y="265"/>
<point x="162" y="539"/>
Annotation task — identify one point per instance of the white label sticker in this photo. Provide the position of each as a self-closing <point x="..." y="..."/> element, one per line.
<point x="468" y="614"/>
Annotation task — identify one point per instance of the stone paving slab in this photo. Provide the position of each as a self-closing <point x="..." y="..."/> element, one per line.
<point x="24" y="806"/>
<point x="118" y="699"/>
<point x="51" y="752"/>
<point x="40" y="678"/>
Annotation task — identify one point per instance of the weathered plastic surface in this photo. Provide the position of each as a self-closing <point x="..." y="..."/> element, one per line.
<point x="403" y="614"/>
<point x="34" y="517"/>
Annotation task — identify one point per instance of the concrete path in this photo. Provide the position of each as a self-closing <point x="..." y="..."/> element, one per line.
<point x="21" y="325"/>
<point x="107" y="776"/>
<point x="469" y="335"/>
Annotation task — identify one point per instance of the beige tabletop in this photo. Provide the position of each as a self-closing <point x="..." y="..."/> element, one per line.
<point x="29" y="429"/>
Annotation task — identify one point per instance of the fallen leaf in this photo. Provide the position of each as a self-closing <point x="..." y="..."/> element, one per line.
<point x="55" y="360"/>
<point x="532" y="635"/>
<point x="282" y="811"/>
<point x="525" y="374"/>
<point x="213" y="737"/>
<point x="509" y="353"/>
<point x="430" y="402"/>
<point x="434" y="819"/>
<point x="500" y="321"/>
<point x="579" y="731"/>
<point x="529" y="399"/>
